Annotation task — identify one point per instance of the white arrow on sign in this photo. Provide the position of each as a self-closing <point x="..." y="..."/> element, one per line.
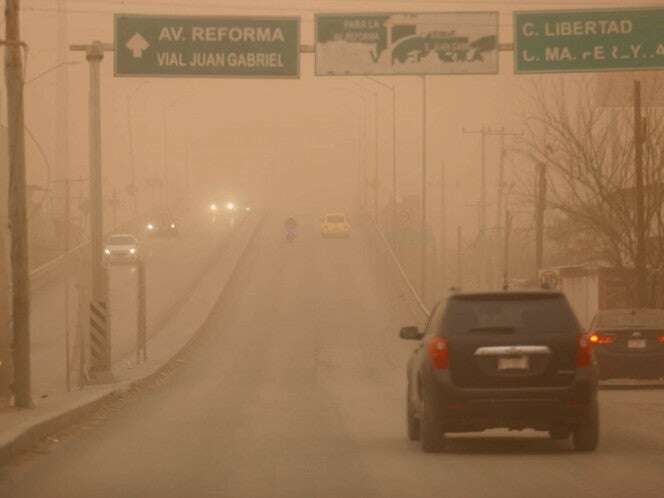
<point x="137" y="44"/>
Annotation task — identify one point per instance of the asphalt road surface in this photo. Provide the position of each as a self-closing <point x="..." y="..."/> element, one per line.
<point x="295" y="390"/>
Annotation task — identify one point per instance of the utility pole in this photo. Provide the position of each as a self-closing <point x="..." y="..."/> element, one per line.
<point x="539" y="218"/>
<point x="18" y="222"/>
<point x="376" y="179"/>
<point x="641" y="276"/>
<point x="66" y="228"/>
<point x="394" y="147"/>
<point x="459" y="284"/>
<point x="423" y="221"/>
<point x="484" y="132"/>
<point x="6" y="368"/>
<point x="501" y="181"/>
<point x="443" y="232"/>
<point x="6" y="365"/>
<point x="506" y="251"/>
<point x="114" y="207"/>
<point x="100" y="339"/>
<point x="61" y="172"/>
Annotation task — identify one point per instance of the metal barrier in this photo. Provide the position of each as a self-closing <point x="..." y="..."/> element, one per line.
<point x="404" y="277"/>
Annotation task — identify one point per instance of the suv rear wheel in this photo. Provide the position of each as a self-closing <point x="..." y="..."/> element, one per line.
<point x="586" y="434"/>
<point x="432" y="437"/>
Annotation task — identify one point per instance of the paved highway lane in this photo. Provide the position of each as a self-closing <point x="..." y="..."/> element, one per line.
<point x="295" y="390"/>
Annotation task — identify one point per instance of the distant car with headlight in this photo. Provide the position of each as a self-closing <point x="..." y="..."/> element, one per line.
<point x="335" y="225"/>
<point x="121" y="248"/>
<point x="163" y="225"/>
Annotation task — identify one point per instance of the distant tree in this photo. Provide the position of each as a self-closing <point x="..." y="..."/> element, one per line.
<point x="588" y="152"/>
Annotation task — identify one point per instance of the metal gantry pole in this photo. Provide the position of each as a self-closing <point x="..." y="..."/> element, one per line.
<point x="423" y="221"/>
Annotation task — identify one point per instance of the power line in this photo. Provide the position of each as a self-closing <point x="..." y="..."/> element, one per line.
<point x="314" y="10"/>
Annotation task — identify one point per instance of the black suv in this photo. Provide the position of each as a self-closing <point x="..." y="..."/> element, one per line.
<point x="512" y="360"/>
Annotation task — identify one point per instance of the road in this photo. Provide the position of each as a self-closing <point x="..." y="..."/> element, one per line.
<point x="173" y="266"/>
<point x="295" y="389"/>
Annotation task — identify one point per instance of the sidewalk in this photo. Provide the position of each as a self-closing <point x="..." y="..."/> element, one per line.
<point x="20" y="429"/>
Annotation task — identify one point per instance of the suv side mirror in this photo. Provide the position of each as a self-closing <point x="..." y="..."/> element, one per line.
<point x="411" y="334"/>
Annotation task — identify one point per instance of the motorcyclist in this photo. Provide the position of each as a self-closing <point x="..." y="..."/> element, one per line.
<point x="291" y="226"/>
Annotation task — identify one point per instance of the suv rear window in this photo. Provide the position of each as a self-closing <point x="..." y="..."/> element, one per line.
<point x="531" y="313"/>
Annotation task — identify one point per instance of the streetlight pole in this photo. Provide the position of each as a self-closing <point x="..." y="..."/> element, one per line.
<point x="394" y="147"/>
<point x="164" y="173"/>
<point x="376" y="173"/>
<point x="132" y="161"/>
<point x="100" y="331"/>
<point x="423" y="242"/>
<point x="363" y="118"/>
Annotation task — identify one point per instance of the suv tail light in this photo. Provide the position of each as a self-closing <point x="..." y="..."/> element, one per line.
<point x="661" y="339"/>
<point x="439" y="354"/>
<point x="599" y="338"/>
<point x="584" y="352"/>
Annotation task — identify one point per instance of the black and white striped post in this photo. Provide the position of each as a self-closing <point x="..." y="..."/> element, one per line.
<point x="100" y="336"/>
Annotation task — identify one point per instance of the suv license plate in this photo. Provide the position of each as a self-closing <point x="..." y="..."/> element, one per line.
<point x="636" y="343"/>
<point x="518" y="363"/>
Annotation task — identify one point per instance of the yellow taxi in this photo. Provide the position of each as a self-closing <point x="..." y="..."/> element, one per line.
<point x="335" y="225"/>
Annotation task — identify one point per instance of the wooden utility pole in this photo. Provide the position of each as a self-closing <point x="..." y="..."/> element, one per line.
<point x="640" y="263"/>
<point x="18" y="222"/>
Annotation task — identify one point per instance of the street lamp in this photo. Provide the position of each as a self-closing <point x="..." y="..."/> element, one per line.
<point x="375" y="179"/>
<point x="167" y="108"/>
<point x="364" y="100"/>
<point x="394" y="146"/>
<point x="132" y="161"/>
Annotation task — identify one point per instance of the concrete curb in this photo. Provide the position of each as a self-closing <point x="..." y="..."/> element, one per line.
<point x="31" y="426"/>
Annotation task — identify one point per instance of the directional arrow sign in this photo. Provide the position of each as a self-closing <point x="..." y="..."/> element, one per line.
<point x="137" y="44"/>
<point x="588" y="40"/>
<point x="259" y="47"/>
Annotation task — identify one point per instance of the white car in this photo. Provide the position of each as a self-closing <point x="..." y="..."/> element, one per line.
<point x="121" y="248"/>
<point x="335" y="225"/>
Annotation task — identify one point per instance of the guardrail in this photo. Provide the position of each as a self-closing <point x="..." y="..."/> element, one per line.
<point x="43" y="270"/>
<point x="402" y="273"/>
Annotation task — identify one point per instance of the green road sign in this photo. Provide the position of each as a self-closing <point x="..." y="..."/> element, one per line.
<point x="253" y="47"/>
<point x="407" y="43"/>
<point x="588" y="40"/>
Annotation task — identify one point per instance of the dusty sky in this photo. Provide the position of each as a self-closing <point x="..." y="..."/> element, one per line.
<point x="263" y="134"/>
